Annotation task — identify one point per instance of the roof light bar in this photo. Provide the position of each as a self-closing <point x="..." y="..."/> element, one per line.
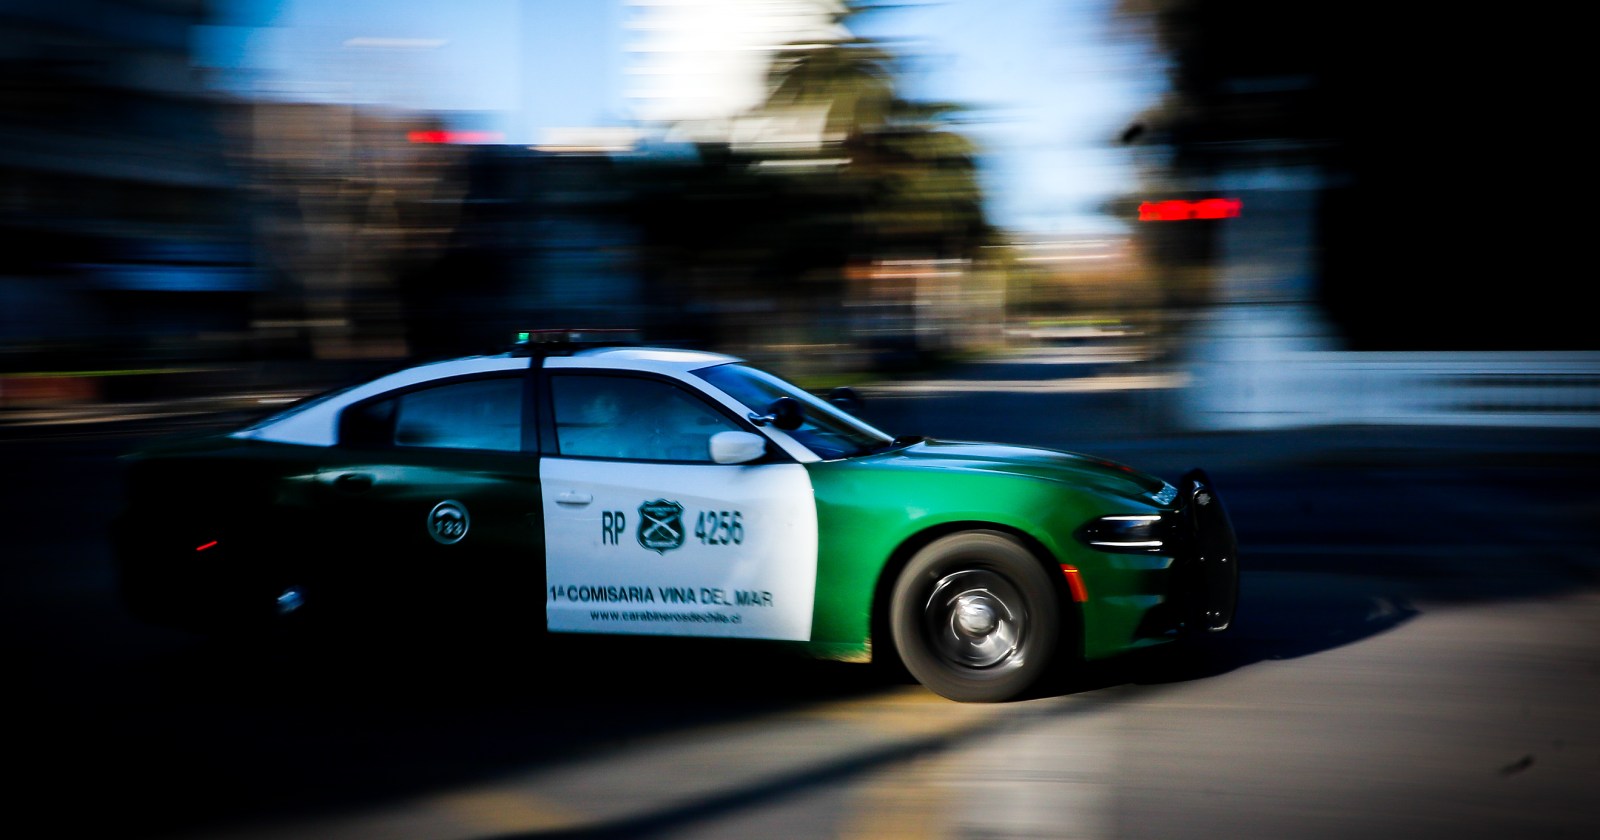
<point x="557" y="341"/>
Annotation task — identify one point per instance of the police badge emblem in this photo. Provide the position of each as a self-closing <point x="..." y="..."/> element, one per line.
<point x="661" y="525"/>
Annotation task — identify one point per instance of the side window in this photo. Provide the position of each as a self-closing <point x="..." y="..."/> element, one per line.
<point x="476" y="414"/>
<point x="632" y="418"/>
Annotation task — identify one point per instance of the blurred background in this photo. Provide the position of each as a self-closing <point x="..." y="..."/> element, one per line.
<point x="1272" y="214"/>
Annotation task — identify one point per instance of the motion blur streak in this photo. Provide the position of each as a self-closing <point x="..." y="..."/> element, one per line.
<point x="211" y="193"/>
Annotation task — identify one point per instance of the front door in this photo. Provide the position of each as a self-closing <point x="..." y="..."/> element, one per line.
<point x="644" y="534"/>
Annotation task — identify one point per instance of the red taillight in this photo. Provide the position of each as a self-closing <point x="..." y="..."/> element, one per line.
<point x="211" y="544"/>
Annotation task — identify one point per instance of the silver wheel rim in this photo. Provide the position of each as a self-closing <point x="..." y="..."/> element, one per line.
<point x="975" y="619"/>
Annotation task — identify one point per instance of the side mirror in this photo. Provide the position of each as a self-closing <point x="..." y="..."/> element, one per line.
<point x="737" y="447"/>
<point x="846" y="399"/>
<point x="785" y="413"/>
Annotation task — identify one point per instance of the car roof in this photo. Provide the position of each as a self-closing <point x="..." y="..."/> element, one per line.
<point x="650" y="359"/>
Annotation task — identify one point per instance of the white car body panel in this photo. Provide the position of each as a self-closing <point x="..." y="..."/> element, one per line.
<point x="616" y="563"/>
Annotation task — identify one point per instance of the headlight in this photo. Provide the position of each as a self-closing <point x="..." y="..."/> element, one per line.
<point x="1145" y="533"/>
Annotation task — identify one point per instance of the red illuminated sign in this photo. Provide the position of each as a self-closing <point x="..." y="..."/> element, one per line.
<point x="1176" y="210"/>
<point x="455" y="137"/>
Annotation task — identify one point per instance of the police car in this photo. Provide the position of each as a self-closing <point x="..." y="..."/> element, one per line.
<point x="598" y="487"/>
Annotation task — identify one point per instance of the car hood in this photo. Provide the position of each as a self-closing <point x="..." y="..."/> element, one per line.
<point x="1045" y="464"/>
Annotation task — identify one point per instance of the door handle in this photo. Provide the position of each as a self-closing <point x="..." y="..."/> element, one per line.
<point x="574" y="498"/>
<point x="353" y="482"/>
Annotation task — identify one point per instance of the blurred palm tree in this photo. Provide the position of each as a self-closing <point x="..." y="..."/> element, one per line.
<point x="917" y="175"/>
<point x="833" y="170"/>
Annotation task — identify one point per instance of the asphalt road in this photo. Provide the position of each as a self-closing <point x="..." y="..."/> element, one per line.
<point x="1417" y="654"/>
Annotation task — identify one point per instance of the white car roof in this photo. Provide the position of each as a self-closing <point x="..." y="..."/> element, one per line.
<point x="665" y="360"/>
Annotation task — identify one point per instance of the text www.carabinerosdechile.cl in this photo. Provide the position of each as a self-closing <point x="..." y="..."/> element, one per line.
<point x="652" y="615"/>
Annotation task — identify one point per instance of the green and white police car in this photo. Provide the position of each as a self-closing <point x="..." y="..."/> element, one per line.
<point x="598" y="488"/>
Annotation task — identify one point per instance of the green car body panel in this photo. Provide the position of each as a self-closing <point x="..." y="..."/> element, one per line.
<point x="871" y="510"/>
<point x="271" y="505"/>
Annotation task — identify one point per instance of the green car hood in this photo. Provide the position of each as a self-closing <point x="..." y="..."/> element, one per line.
<point x="1082" y="471"/>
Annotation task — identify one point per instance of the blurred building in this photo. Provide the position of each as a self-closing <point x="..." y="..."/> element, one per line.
<point x="780" y="197"/>
<point x="123" y="239"/>
<point x="545" y="238"/>
<point x="1394" y="255"/>
<point x="1416" y="160"/>
<point x="346" y="203"/>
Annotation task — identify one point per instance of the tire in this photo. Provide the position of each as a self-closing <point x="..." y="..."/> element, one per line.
<point x="975" y="618"/>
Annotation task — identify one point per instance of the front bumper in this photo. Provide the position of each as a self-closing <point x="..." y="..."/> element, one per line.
<point x="1207" y="562"/>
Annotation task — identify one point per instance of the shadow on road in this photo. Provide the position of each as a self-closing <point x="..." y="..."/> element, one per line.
<point x="1282" y="615"/>
<point x="227" y="733"/>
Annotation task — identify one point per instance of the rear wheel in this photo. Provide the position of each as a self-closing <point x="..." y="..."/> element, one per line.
<point x="975" y="618"/>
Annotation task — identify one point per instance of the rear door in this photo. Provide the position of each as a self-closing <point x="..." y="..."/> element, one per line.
<point x="432" y="499"/>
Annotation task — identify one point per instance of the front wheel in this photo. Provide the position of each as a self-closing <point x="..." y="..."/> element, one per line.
<point x="974" y="617"/>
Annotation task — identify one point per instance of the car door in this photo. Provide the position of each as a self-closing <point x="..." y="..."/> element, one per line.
<point x="645" y="534"/>
<point x="432" y="500"/>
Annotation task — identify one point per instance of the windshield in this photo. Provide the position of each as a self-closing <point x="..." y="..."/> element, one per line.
<point x="826" y="430"/>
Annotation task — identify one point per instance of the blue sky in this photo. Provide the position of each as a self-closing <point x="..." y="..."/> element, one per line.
<point x="1052" y="85"/>
<point x="1049" y="85"/>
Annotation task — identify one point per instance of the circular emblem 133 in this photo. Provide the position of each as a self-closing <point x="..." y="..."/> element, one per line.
<point x="448" y="522"/>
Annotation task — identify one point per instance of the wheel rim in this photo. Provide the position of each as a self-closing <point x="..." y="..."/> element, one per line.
<point x="975" y="619"/>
